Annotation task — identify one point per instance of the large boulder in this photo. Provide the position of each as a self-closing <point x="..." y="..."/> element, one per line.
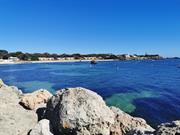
<point x="33" y="100"/>
<point x="42" y="128"/>
<point x="14" y="119"/>
<point x="172" y="128"/>
<point x="126" y="124"/>
<point x="79" y="111"/>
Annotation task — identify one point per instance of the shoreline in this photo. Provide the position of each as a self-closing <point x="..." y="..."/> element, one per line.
<point x="62" y="61"/>
<point x="54" y="61"/>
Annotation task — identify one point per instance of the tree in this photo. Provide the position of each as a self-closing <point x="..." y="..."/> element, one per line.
<point x="34" y="58"/>
<point x="23" y="57"/>
<point x="77" y="56"/>
<point x="113" y="56"/>
<point x="3" y="54"/>
<point x="46" y="55"/>
<point x="55" y="56"/>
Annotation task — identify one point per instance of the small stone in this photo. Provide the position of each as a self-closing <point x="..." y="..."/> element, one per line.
<point x="172" y="128"/>
<point x="42" y="128"/>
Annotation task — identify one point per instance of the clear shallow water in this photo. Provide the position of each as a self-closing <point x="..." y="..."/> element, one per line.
<point x="147" y="89"/>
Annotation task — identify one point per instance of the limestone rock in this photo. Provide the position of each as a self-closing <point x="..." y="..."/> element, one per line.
<point x="126" y="124"/>
<point x="1" y="83"/>
<point x="172" y="128"/>
<point x="32" y="100"/>
<point x="14" y="119"/>
<point x="79" y="111"/>
<point x="16" y="90"/>
<point x="42" y="128"/>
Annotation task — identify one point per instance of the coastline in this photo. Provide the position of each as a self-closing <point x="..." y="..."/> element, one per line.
<point x="60" y="61"/>
<point x="54" y="61"/>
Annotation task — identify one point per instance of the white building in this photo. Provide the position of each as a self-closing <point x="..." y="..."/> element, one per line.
<point x="69" y="58"/>
<point x="89" y="58"/>
<point x="46" y="58"/>
<point x="1" y="60"/>
<point x="13" y="59"/>
<point x="65" y="58"/>
<point x="61" y="58"/>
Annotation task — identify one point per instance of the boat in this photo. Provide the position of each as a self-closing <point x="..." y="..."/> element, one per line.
<point x="93" y="62"/>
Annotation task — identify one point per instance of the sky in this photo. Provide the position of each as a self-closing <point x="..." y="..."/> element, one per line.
<point x="91" y="26"/>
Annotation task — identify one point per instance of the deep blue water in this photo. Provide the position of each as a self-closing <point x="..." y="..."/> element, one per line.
<point x="147" y="89"/>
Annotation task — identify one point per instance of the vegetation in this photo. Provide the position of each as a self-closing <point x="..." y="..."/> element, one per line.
<point x="35" y="56"/>
<point x="4" y="54"/>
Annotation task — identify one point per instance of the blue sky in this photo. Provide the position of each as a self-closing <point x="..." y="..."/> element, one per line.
<point x="91" y="26"/>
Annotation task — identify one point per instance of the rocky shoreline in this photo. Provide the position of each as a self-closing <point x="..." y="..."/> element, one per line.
<point x="71" y="111"/>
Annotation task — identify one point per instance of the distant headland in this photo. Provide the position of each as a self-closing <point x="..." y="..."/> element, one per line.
<point x="20" y="57"/>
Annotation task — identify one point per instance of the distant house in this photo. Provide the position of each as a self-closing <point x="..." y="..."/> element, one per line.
<point x="100" y="58"/>
<point x="65" y="58"/>
<point x="46" y="58"/>
<point x="69" y="58"/>
<point x="61" y="58"/>
<point x="13" y="59"/>
<point x="133" y="56"/>
<point x="89" y="58"/>
<point x="126" y="56"/>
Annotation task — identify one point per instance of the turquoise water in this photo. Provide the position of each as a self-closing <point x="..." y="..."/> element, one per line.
<point x="147" y="89"/>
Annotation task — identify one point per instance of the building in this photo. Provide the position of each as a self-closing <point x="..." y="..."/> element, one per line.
<point x="65" y="58"/>
<point x="90" y="58"/>
<point x="61" y="58"/>
<point x="1" y="60"/>
<point x="69" y="58"/>
<point x="13" y="59"/>
<point x="46" y="58"/>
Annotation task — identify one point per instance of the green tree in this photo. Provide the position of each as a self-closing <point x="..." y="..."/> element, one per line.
<point x="34" y="58"/>
<point x="4" y="54"/>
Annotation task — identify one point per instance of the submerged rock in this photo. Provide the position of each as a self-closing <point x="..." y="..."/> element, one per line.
<point x="79" y="111"/>
<point x="126" y="124"/>
<point x="14" y="119"/>
<point x="42" y="128"/>
<point x="172" y="128"/>
<point x="32" y="100"/>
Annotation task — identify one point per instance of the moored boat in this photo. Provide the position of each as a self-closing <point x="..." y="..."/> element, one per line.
<point x="93" y="62"/>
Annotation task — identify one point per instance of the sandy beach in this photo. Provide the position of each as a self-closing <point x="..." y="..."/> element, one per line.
<point x="54" y="61"/>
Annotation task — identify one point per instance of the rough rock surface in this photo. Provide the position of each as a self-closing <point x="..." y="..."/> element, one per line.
<point x="33" y="100"/>
<point x="42" y="128"/>
<point x="1" y="83"/>
<point x="78" y="111"/>
<point x="126" y="124"/>
<point x="14" y="119"/>
<point x="172" y="128"/>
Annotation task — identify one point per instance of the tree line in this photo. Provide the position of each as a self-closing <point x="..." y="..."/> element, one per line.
<point x="4" y="54"/>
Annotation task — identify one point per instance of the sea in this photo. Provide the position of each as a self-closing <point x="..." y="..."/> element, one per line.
<point x="148" y="89"/>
